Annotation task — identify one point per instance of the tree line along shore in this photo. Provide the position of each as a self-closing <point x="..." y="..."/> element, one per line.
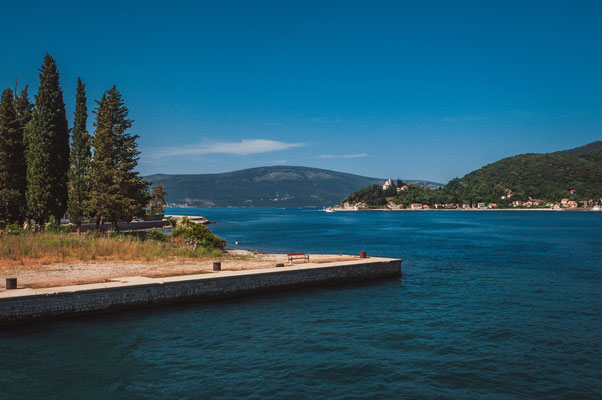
<point x="50" y="171"/>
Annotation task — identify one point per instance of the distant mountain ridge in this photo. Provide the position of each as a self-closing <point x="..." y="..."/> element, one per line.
<point x="275" y="186"/>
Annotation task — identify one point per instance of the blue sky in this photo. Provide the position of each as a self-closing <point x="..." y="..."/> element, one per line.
<point x="412" y="89"/>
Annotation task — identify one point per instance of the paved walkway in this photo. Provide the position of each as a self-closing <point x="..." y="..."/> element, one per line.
<point x="131" y="281"/>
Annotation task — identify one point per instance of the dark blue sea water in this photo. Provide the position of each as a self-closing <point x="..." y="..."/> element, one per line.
<point x="492" y="305"/>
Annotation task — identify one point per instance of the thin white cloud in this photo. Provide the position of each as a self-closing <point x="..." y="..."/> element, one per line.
<point x="324" y="120"/>
<point x="344" y="155"/>
<point x="242" y="148"/>
<point x="570" y="115"/>
<point x="467" y="118"/>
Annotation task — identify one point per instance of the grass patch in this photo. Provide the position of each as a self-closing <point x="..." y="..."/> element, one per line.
<point x="51" y="248"/>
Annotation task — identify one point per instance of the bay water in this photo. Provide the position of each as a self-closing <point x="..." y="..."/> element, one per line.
<point x="490" y="305"/>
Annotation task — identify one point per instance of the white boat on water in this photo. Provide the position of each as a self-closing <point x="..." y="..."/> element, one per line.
<point x="329" y="209"/>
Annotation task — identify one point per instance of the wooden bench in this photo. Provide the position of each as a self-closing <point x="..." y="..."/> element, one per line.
<point x="298" y="256"/>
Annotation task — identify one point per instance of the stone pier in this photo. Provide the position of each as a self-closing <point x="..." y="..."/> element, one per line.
<point x="23" y="305"/>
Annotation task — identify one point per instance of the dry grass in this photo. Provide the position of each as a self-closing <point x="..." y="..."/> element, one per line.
<point x="50" y="259"/>
<point x="31" y="249"/>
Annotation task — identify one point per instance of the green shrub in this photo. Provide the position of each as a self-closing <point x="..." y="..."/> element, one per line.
<point x="185" y="222"/>
<point x="178" y="231"/>
<point x="156" y="234"/>
<point x="200" y="234"/>
<point x="13" y="229"/>
<point x="172" y="221"/>
<point x="52" y="226"/>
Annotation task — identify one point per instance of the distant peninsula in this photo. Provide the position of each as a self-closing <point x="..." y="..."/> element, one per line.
<point x="569" y="179"/>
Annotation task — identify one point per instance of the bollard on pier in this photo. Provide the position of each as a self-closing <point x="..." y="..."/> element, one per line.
<point x="11" y="283"/>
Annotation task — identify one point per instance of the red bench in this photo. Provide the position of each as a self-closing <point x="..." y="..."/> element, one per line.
<point x="298" y="256"/>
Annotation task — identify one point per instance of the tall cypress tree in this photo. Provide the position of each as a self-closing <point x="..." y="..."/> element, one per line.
<point x="80" y="159"/>
<point x="12" y="161"/>
<point x="24" y="109"/>
<point x="47" y="142"/>
<point x="117" y="192"/>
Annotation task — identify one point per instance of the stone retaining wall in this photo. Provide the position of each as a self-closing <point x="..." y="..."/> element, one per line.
<point x="124" y="226"/>
<point x="86" y="299"/>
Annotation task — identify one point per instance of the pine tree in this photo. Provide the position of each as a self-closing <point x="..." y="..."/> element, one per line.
<point x="12" y="161"/>
<point x="158" y="203"/>
<point x="117" y="192"/>
<point x="24" y="109"/>
<point x="80" y="160"/>
<point x="47" y="154"/>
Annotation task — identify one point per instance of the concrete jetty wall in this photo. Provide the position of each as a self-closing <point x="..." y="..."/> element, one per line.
<point x="134" y="225"/>
<point x="24" y="305"/>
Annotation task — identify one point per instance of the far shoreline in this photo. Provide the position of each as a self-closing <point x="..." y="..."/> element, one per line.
<point x="470" y="210"/>
<point x="319" y="208"/>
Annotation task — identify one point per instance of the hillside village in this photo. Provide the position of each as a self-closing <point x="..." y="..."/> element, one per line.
<point x="391" y="194"/>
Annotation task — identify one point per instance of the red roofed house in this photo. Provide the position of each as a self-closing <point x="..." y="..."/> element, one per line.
<point x="394" y="206"/>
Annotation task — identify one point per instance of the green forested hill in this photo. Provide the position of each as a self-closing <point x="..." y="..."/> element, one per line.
<point x="543" y="176"/>
<point x="588" y="148"/>
<point x="549" y="177"/>
<point x="277" y="186"/>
